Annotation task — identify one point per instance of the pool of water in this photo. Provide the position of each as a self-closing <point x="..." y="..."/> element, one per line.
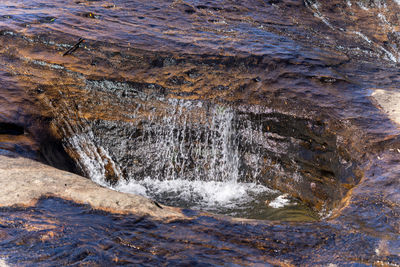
<point x="246" y="200"/>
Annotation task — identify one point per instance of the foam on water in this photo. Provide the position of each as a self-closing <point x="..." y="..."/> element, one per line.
<point x="280" y="202"/>
<point x="197" y="193"/>
<point x="3" y="263"/>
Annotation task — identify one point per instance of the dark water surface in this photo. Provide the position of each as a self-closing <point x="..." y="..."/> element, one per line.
<point x="58" y="232"/>
<point x="63" y="233"/>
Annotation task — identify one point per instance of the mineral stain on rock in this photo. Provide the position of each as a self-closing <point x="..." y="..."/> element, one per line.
<point x="277" y="101"/>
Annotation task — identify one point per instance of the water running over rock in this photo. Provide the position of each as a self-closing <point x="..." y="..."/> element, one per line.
<point x="178" y="152"/>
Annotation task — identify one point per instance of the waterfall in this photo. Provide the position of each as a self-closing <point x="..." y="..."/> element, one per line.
<point x="197" y="160"/>
<point x="179" y="152"/>
<point x="185" y="134"/>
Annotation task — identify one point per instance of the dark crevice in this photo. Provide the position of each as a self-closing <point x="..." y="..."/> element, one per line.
<point x="11" y="128"/>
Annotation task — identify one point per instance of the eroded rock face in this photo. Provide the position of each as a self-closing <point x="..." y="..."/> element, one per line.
<point x="277" y="92"/>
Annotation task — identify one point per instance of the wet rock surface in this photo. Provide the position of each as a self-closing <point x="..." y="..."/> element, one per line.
<point x="304" y="85"/>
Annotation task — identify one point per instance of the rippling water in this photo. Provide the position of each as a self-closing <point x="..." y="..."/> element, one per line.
<point x="56" y="231"/>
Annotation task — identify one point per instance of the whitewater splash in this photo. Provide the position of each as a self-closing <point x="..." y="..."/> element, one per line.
<point x="197" y="194"/>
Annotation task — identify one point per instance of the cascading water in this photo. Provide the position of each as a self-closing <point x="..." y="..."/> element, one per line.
<point x="184" y="153"/>
<point x="198" y="169"/>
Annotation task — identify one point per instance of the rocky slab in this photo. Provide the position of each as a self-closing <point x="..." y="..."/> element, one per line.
<point x="24" y="181"/>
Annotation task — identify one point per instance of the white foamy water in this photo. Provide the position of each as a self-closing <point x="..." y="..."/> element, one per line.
<point x="3" y="263"/>
<point x="280" y="202"/>
<point x="206" y="194"/>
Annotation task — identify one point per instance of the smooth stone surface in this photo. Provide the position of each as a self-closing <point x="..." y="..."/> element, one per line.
<point x="389" y="102"/>
<point x="24" y="181"/>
